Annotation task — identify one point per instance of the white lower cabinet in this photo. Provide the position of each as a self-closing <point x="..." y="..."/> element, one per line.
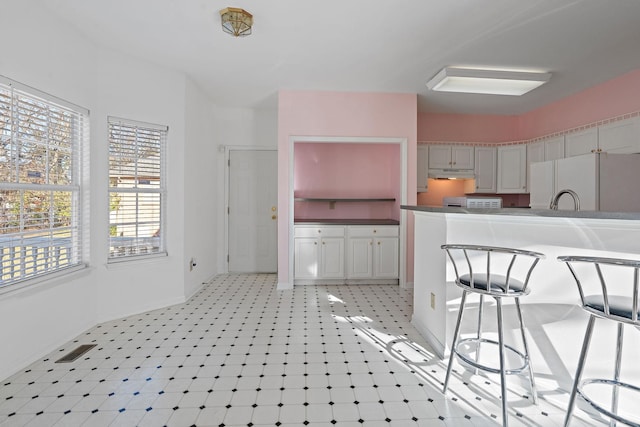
<point x="360" y="254"/>
<point x="331" y="263"/>
<point x="370" y="254"/>
<point x="319" y="252"/>
<point x="307" y="256"/>
<point x="385" y="258"/>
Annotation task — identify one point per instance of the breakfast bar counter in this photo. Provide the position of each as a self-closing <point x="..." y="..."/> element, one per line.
<point x="552" y="314"/>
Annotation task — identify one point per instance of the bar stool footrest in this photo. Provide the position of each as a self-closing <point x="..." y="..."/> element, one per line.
<point x="477" y="342"/>
<point x="602" y="410"/>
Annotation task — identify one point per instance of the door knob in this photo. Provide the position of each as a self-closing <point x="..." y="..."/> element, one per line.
<point x="273" y="208"/>
<point x="273" y="217"/>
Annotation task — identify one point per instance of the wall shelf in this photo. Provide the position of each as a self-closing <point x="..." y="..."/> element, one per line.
<point x="314" y="199"/>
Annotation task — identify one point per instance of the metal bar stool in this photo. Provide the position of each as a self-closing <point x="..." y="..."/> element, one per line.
<point x="605" y="294"/>
<point x="489" y="270"/>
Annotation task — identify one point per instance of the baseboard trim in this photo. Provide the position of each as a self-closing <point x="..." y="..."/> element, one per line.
<point x="434" y="343"/>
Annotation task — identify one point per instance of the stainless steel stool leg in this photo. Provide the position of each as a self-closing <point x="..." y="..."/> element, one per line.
<point x="479" y="334"/>
<point x="532" y="382"/>
<point x="616" y="374"/>
<point x="456" y="334"/>
<point x="503" y="374"/>
<point x="581" y="360"/>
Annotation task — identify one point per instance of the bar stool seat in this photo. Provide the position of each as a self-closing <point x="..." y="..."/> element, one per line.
<point x="619" y="306"/>
<point x="498" y="284"/>
<point x="604" y="295"/>
<point x="490" y="270"/>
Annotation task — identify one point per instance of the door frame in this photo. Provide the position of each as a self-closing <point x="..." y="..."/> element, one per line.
<point x="227" y="182"/>
<point x="403" y="142"/>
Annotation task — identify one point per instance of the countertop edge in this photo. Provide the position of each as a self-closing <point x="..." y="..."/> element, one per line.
<point x="339" y="221"/>
<point x="545" y="213"/>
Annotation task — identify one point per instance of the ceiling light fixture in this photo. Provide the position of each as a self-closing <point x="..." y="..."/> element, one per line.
<point x="487" y="81"/>
<point x="236" y="21"/>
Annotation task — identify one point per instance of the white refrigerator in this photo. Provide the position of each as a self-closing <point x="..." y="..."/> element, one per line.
<point x="603" y="181"/>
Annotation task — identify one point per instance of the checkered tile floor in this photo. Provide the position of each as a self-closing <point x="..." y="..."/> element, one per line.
<point x="241" y="353"/>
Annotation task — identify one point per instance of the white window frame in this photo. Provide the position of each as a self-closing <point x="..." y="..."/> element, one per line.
<point x="136" y="245"/>
<point x="48" y="248"/>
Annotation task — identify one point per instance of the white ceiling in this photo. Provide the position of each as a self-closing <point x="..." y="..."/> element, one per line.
<point x="370" y="45"/>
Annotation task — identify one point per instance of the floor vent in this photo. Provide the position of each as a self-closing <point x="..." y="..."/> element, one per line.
<point x="73" y="355"/>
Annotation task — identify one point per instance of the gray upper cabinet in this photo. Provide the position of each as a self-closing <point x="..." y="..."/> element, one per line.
<point x="582" y="142"/>
<point x="485" y="170"/>
<point x="554" y="148"/>
<point x="423" y="168"/>
<point x="512" y="169"/>
<point x="451" y="157"/>
<point x="535" y="154"/>
<point x="622" y="136"/>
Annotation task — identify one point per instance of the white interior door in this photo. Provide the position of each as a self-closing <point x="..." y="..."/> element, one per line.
<point x="253" y="191"/>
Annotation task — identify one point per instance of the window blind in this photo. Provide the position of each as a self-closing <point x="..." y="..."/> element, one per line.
<point x="136" y="188"/>
<point x="40" y="142"/>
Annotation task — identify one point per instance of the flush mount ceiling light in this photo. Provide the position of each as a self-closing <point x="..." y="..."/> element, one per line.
<point x="236" y="21"/>
<point x="494" y="82"/>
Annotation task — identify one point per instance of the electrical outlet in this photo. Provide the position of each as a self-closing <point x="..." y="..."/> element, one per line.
<point x="433" y="300"/>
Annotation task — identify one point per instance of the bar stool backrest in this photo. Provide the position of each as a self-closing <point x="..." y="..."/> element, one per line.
<point x="608" y="287"/>
<point x="499" y="270"/>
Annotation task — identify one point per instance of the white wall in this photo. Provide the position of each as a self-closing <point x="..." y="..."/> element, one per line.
<point x="238" y="127"/>
<point x="125" y="87"/>
<point x="52" y="58"/>
<point x="201" y="183"/>
<point x="38" y="320"/>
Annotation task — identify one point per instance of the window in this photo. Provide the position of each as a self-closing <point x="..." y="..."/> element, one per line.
<point x="40" y="142"/>
<point x="136" y="188"/>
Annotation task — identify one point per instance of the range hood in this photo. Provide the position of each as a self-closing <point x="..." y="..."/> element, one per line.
<point x="451" y="173"/>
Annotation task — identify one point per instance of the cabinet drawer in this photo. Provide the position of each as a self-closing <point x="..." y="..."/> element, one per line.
<point x="306" y="231"/>
<point x="373" y="231"/>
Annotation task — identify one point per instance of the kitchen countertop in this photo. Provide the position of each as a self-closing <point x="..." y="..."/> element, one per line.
<point x="527" y="212"/>
<point x="339" y="221"/>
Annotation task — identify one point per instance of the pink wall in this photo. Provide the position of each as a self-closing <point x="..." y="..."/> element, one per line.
<point x="339" y="114"/>
<point x="467" y="127"/>
<point x="344" y="170"/>
<point x="610" y="99"/>
<point x="308" y="113"/>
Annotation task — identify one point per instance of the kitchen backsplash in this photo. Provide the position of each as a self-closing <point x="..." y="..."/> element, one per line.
<point x="455" y="188"/>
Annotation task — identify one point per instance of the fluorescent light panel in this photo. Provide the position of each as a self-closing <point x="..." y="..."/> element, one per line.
<point x="494" y="82"/>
